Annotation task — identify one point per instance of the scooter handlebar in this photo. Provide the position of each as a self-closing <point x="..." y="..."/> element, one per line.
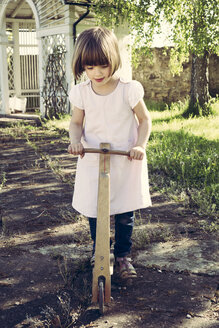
<point x="106" y="151"/>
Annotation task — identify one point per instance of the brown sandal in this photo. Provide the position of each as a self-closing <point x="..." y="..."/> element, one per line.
<point x="124" y="268"/>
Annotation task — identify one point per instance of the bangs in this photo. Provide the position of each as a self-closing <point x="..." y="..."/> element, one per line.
<point x="96" y="47"/>
<point x="94" y="55"/>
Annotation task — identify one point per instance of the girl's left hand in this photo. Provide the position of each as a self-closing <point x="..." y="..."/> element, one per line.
<point x="137" y="152"/>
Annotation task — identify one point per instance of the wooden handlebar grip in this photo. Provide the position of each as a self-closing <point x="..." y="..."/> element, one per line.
<point x="106" y="151"/>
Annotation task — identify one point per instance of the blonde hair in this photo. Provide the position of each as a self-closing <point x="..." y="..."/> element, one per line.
<point x="96" y="46"/>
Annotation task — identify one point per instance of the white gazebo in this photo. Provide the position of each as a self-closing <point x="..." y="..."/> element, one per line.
<point x="36" y="44"/>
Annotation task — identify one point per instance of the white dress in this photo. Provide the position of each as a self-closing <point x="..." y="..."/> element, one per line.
<point x="110" y="119"/>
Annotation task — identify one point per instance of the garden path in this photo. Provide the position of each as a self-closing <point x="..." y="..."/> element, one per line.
<point x="45" y="250"/>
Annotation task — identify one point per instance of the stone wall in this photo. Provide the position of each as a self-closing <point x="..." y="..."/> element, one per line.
<point x="159" y="83"/>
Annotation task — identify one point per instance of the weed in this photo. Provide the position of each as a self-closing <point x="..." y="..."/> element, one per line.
<point x="145" y="236"/>
<point x="2" y="179"/>
<point x="64" y="271"/>
<point x="62" y="317"/>
<point x="209" y="226"/>
<point x="78" y="275"/>
<point x="139" y="220"/>
<point x="67" y="215"/>
<point x="31" y="143"/>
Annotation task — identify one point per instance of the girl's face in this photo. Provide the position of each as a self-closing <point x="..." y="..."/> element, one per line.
<point x="99" y="75"/>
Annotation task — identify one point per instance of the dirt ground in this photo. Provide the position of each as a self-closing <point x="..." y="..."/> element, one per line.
<point x="45" y="276"/>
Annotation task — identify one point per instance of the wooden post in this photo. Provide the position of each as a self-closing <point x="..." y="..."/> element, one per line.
<point x="102" y="251"/>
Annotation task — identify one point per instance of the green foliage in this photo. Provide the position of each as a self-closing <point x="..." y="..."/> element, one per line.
<point x="194" y="24"/>
<point x="112" y="13"/>
<point x="193" y="31"/>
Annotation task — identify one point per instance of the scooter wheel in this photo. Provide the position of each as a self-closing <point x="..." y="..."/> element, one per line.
<point x="101" y="295"/>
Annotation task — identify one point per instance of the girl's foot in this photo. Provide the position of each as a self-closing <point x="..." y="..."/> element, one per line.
<point x="124" y="269"/>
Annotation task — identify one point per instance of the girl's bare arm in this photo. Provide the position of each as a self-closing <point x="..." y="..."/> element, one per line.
<point x="144" y="130"/>
<point x="75" y="132"/>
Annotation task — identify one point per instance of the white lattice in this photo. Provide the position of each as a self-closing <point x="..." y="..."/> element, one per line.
<point x="10" y="60"/>
<point x="51" y="44"/>
<point x="55" y="87"/>
<point x="10" y="56"/>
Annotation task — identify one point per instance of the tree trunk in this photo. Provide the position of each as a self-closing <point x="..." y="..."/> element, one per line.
<point x="199" y="94"/>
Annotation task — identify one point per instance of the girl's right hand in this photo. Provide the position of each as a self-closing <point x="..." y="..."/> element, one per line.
<point x="76" y="149"/>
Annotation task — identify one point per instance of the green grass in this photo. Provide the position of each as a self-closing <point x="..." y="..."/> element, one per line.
<point x="62" y="123"/>
<point x="183" y="157"/>
<point x="206" y="127"/>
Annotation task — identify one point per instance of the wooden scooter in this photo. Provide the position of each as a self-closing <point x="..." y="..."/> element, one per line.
<point x="103" y="267"/>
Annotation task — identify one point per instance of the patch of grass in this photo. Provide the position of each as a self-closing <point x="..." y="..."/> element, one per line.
<point x="190" y="160"/>
<point x="61" y="124"/>
<point x="206" y="127"/>
<point x="156" y="106"/>
<point x="144" y="236"/>
<point x="183" y="157"/>
<point x="172" y="119"/>
<point x="208" y="108"/>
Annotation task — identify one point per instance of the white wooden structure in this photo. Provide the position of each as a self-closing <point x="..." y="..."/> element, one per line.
<point x="32" y="33"/>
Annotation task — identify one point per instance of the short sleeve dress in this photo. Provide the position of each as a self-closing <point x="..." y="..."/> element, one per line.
<point x="110" y="119"/>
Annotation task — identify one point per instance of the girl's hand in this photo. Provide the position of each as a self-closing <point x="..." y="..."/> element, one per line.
<point x="76" y="149"/>
<point x="137" y="152"/>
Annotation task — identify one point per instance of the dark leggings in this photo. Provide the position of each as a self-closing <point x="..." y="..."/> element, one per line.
<point x="123" y="232"/>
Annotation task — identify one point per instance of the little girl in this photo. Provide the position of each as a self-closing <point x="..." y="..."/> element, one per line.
<point x="109" y="109"/>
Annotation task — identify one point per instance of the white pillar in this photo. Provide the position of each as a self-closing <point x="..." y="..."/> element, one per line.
<point x="16" y="56"/>
<point x="41" y="76"/>
<point x="4" y="97"/>
<point x="69" y="44"/>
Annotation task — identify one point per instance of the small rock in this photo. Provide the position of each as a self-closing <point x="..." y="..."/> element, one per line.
<point x="188" y="316"/>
